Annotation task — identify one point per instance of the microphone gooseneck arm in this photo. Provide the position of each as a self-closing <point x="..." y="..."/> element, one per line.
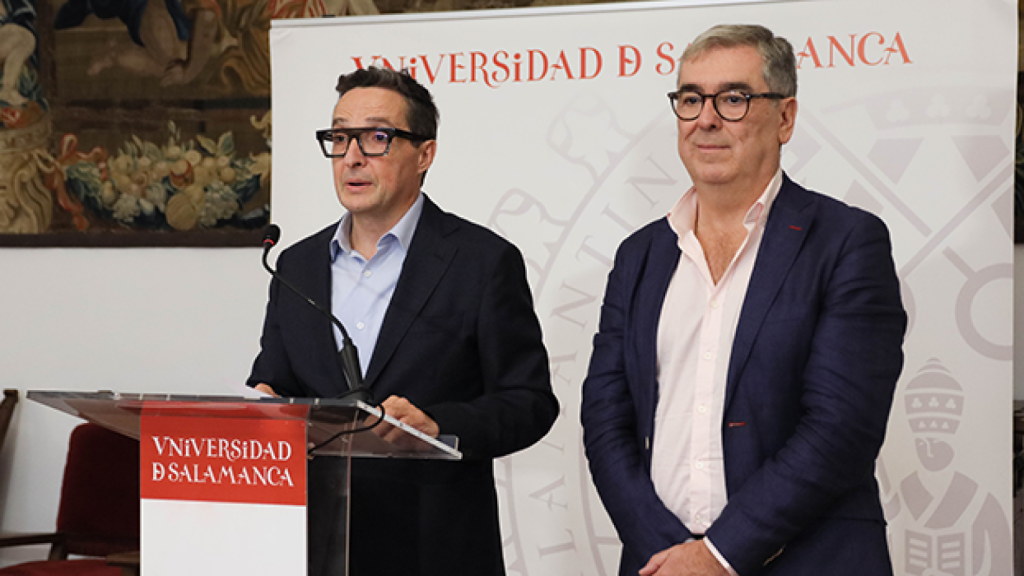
<point x="348" y="354"/>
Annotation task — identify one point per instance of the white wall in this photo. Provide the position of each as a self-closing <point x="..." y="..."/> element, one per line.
<point x="131" y="320"/>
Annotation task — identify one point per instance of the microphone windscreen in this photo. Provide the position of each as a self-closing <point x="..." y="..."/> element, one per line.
<point x="271" y="234"/>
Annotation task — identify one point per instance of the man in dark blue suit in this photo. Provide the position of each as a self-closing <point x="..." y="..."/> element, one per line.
<point x="443" y="319"/>
<point x="748" y="350"/>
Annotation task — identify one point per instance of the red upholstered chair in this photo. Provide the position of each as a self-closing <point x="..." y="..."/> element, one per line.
<point x="99" y="509"/>
<point x="7" y="412"/>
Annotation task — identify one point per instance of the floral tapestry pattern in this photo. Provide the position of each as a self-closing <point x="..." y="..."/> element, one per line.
<point x="134" y="123"/>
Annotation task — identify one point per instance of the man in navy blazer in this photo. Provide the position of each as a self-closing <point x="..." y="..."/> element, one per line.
<point x="458" y="351"/>
<point x="748" y="349"/>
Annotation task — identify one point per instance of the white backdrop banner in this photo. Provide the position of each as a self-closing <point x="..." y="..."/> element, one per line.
<point x="556" y="132"/>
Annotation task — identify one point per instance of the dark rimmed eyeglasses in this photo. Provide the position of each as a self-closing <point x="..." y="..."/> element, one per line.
<point x="731" y="105"/>
<point x="372" y="141"/>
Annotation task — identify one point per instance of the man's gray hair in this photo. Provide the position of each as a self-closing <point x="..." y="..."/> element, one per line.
<point x="778" y="63"/>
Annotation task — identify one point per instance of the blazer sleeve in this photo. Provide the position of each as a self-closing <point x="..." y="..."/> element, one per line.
<point x="843" y="397"/>
<point x="517" y="406"/>
<point x="272" y="365"/>
<point x="297" y="355"/>
<point x="612" y="407"/>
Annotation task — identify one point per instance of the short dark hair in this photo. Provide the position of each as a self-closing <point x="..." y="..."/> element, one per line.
<point x="778" y="63"/>
<point x="421" y="113"/>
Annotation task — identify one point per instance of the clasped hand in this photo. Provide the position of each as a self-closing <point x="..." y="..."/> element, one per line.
<point x="690" y="559"/>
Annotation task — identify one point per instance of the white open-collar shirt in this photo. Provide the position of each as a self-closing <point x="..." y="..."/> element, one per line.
<point x="695" y="334"/>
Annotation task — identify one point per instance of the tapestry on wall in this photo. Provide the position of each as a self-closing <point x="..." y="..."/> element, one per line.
<point x="136" y="123"/>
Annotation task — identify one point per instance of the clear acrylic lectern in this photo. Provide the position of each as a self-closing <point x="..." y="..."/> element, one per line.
<point x="209" y="451"/>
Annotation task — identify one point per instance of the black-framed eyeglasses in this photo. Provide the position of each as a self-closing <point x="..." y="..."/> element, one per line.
<point x="372" y="141"/>
<point x="731" y="105"/>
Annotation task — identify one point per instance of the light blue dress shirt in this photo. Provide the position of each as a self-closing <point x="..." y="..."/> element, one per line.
<point x="361" y="289"/>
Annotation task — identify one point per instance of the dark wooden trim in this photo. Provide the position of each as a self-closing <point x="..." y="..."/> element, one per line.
<point x="132" y="239"/>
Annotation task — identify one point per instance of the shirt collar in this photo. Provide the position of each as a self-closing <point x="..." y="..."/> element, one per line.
<point x="403" y="231"/>
<point x="683" y="215"/>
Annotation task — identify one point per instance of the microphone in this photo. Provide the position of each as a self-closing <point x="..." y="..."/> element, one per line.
<point x="348" y="355"/>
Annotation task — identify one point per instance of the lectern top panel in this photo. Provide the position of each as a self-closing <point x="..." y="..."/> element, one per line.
<point x="329" y="421"/>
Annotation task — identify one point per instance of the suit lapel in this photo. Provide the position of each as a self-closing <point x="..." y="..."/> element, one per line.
<point x="430" y="254"/>
<point x="659" y="266"/>
<point x="789" y="221"/>
<point x="319" y="290"/>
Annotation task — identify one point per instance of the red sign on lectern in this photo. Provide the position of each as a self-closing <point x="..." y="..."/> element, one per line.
<point x="243" y="460"/>
<point x="211" y="472"/>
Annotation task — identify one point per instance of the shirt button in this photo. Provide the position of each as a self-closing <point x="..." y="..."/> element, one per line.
<point x="707" y="355"/>
<point x="360" y="325"/>
<point x="714" y="304"/>
<point x="699" y="465"/>
<point x="702" y="409"/>
<point x="367" y="273"/>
